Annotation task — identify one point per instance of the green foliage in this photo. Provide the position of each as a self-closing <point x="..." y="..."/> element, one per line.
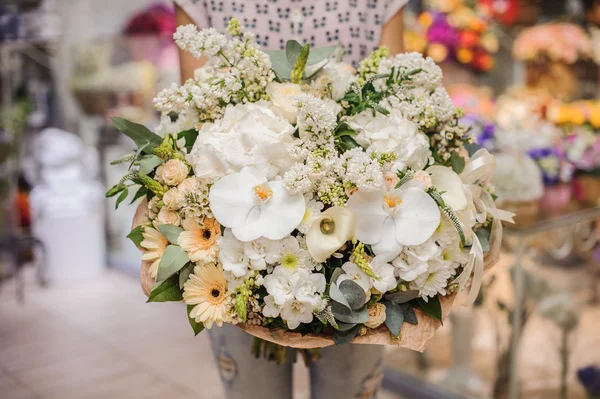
<point x="431" y="308"/>
<point x="409" y="314"/>
<point x="136" y="235"/>
<point x="283" y="62"/>
<point x="346" y="315"/>
<point x="114" y="190"/>
<point x="166" y="291"/>
<point x="401" y="297"/>
<point x="345" y="337"/>
<point x="122" y="197"/>
<point x="457" y="162"/>
<point x="472" y="148"/>
<point x="170" y="231"/>
<point x="361" y="261"/>
<point x="300" y="64"/>
<point x="173" y="260"/>
<point x="184" y="274"/>
<point x="394" y="318"/>
<point x="450" y="214"/>
<point x="241" y="306"/>
<point x="484" y="238"/>
<point x="148" y="163"/>
<point x="142" y="191"/>
<point x="143" y="138"/>
<point x="152" y="185"/>
<point x="189" y="136"/>
<point x="197" y="327"/>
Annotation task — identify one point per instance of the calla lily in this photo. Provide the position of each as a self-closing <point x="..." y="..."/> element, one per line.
<point x="254" y="207"/>
<point x="390" y="220"/>
<point x="450" y="185"/>
<point x="329" y="232"/>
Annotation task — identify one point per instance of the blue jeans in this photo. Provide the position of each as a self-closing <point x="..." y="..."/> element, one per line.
<point x="346" y="372"/>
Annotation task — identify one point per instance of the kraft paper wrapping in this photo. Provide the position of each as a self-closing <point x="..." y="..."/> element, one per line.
<point x="415" y="337"/>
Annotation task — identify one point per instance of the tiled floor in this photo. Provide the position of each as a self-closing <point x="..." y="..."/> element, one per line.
<point x="99" y="339"/>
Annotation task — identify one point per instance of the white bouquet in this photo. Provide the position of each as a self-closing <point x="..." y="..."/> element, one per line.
<point x="288" y="192"/>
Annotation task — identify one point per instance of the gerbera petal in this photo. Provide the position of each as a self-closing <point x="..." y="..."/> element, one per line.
<point x="370" y="216"/>
<point x="388" y="246"/>
<point x="282" y="213"/>
<point x="450" y="184"/>
<point x="418" y="217"/>
<point x="231" y="197"/>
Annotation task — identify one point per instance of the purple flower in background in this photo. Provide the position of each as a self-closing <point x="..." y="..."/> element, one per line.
<point x="441" y="32"/>
<point x="590" y="379"/>
<point x="550" y="161"/>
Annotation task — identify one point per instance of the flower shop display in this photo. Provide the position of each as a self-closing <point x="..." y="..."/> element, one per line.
<point x="479" y="110"/>
<point x="456" y="31"/>
<point x="549" y="51"/>
<point x="306" y="202"/>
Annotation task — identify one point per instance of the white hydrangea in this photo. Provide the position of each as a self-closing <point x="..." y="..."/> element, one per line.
<point x="363" y="171"/>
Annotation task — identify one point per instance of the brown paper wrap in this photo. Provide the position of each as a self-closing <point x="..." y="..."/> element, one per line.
<point x="415" y="337"/>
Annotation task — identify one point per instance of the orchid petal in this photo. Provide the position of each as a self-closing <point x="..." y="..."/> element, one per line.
<point x="388" y="247"/>
<point x="227" y="205"/>
<point x="418" y="217"/>
<point x="282" y="213"/>
<point x="370" y="215"/>
<point x="450" y="184"/>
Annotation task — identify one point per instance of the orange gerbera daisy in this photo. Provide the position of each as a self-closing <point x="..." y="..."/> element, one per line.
<point x="155" y="244"/>
<point x="199" y="240"/>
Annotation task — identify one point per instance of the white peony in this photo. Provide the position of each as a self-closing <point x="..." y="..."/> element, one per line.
<point x="392" y="133"/>
<point x="283" y="97"/>
<point x="341" y="77"/>
<point x="247" y="135"/>
<point x="254" y="207"/>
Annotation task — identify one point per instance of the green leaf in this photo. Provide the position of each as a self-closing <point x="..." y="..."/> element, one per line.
<point x="280" y="64"/>
<point x="394" y="318"/>
<point x="457" y="162"/>
<point x="139" y="193"/>
<point x="345" y="132"/>
<point x="337" y="272"/>
<point x="122" y="197"/>
<point x="348" y="143"/>
<point x="190" y="137"/>
<point x="142" y="137"/>
<point x="432" y="308"/>
<point x="484" y="239"/>
<point x="292" y="50"/>
<point x="345" y="337"/>
<point x="320" y="54"/>
<point x="197" y="327"/>
<point x="170" y="231"/>
<point x="402" y="297"/>
<point x="173" y="259"/>
<point x="346" y="315"/>
<point x="148" y="163"/>
<point x="167" y="291"/>
<point x="116" y="189"/>
<point x="311" y="70"/>
<point x="409" y="314"/>
<point x="345" y="326"/>
<point x="184" y="274"/>
<point x="136" y="235"/>
<point x="472" y="148"/>
<point x="336" y="295"/>
<point x="354" y="294"/>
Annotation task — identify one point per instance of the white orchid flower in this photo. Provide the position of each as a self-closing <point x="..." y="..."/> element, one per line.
<point x="390" y="220"/>
<point x="254" y="207"/>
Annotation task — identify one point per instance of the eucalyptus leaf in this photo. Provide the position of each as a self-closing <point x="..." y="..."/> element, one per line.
<point x="139" y="193"/>
<point x="337" y="272"/>
<point x="184" y="274"/>
<point x="457" y="162"/>
<point x="170" y="231"/>
<point x="409" y="314"/>
<point x="484" y="239"/>
<point x="345" y="326"/>
<point x="394" y="318"/>
<point x="346" y="315"/>
<point x="311" y="70"/>
<point x="280" y="64"/>
<point x="148" y="163"/>
<point x="122" y="197"/>
<point x="472" y="148"/>
<point x="136" y="235"/>
<point x="402" y="297"/>
<point x="142" y="137"/>
<point x="432" y="308"/>
<point x="336" y="295"/>
<point x="173" y="259"/>
<point x="166" y="291"/>
<point x="197" y="327"/>
<point x="320" y="54"/>
<point x="292" y="51"/>
<point x="345" y="337"/>
<point x="354" y="294"/>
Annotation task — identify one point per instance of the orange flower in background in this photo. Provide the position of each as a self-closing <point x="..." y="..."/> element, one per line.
<point x="468" y="39"/>
<point x="425" y="19"/>
<point x="478" y="25"/>
<point x="464" y="55"/>
<point x="594" y="113"/>
<point x="438" y="52"/>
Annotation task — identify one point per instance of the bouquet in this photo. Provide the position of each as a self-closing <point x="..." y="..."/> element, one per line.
<point x="306" y="202"/>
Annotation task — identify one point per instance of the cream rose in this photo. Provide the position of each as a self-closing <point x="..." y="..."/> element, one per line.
<point x="165" y="216"/>
<point x="173" y="199"/>
<point x="283" y="97"/>
<point x="391" y="179"/>
<point x="423" y="177"/>
<point x="376" y="316"/>
<point x="172" y="172"/>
